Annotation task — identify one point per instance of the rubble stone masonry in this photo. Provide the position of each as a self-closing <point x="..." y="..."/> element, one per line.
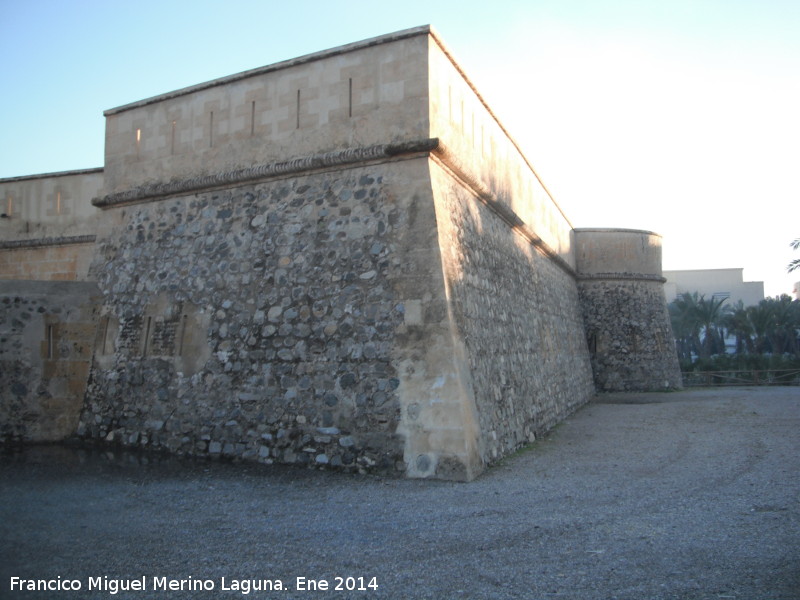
<point x="47" y="337"/>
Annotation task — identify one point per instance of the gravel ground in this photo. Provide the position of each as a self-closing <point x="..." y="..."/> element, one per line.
<point x="687" y="495"/>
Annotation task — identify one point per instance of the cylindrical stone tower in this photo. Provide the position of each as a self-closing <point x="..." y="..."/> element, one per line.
<point x="624" y="310"/>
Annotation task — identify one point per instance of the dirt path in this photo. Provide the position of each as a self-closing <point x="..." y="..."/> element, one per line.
<point x="691" y="495"/>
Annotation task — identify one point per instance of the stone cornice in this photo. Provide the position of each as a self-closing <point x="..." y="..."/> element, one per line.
<point x="621" y="277"/>
<point x="337" y="158"/>
<point x="48" y="241"/>
<point x="485" y="195"/>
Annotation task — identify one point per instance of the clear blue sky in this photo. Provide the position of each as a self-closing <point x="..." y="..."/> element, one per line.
<point x="681" y="117"/>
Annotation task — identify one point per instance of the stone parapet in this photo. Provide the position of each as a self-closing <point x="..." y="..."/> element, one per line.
<point x="51" y="205"/>
<point x="370" y="92"/>
<point x="618" y="253"/>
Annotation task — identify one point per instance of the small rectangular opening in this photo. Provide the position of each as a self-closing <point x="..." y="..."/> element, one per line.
<point x="51" y="341"/>
<point x="211" y="129"/>
<point x="138" y="141"/>
<point x="253" y="118"/>
<point x="172" y="140"/>
<point x="146" y="341"/>
<point x="298" y="110"/>
<point x="184" y="320"/>
<point x="450" y="103"/>
<point x="105" y="336"/>
<point x="58" y="203"/>
<point x="350" y="98"/>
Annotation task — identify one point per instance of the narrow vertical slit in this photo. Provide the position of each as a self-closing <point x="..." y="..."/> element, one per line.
<point x="350" y="98"/>
<point x="183" y="335"/>
<point x="211" y="129"/>
<point x="58" y="203"/>
<point x="51" y="346"/>
<point x="298" y="110"/>
<point x="105" y="336"/>
<point x="253" y="118"/>
<point x="172" y="141"/>
<point x="10" y="210"/>
<point x="146" y="336"/>
<point x="450" y="102"/>
<point x="138" y="141"/>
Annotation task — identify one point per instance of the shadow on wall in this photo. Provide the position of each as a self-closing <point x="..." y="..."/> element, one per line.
<point x="526" y="352"/>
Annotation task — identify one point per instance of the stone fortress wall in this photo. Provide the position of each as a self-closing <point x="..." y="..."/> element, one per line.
<point x="345" y="260"/>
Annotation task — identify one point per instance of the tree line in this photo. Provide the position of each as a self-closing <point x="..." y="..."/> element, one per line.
<point x="701" y="325"/>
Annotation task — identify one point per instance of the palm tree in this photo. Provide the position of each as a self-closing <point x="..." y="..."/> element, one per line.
<point x="691" y="315"/>
<point x="711" y="315"/>
<point x="785" y="323"/>
<point x="760" y="317"/>
<point x="795" y="264"/>
<point x="685" y="325"/>
<point x="737" y="322"/>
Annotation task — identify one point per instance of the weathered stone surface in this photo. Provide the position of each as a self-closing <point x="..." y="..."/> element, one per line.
<point x="518" y="315"/>
<point x="630" y="337"/>
<point x="298" y="341"/>
<point x="624" y="309"/>
<point x="47" y="337"/>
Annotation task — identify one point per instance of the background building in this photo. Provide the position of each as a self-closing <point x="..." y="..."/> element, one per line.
<point x="716" y="283"/>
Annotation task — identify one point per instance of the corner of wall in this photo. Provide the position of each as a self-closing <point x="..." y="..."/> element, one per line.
<point x="438" y="415"/>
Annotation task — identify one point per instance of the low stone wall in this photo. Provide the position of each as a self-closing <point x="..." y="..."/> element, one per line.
<point x="47" y="336"/>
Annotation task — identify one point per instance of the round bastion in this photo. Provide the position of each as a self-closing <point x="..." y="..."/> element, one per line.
<point x="627" y="324"/>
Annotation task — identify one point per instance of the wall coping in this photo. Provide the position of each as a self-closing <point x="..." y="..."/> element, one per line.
<point x="48" y="241"/>
<point x="613" y="230"/>
<point x="51" y="175"/>
<point x="338" y="158"/>
<point x="621" y="277"/>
